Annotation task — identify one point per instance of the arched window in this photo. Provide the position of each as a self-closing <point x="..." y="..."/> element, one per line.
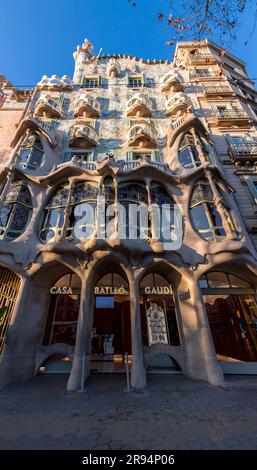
<point x="59" y="217"/>
<point x="16" y="211"/>
<point x="162" y="207"/>
<point x="83" y="192"/>
<point x="188" y="153"/>
<point x="205" y="216"/>
<point x="133" y="197"/>
<point x="109" y="199"/>
<point x="31" y="153"/>
<point x="54" y="215"/>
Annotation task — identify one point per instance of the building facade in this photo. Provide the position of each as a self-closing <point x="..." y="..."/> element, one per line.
<point x="132" y="132"/>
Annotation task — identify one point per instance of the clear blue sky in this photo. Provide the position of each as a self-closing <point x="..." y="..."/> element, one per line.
<point x="39" y="37"/>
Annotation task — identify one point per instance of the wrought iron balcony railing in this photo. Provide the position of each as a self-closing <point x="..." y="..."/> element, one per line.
<point x="243" y="152"/>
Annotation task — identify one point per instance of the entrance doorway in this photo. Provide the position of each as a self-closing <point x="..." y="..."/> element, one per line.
<point x="111" y="330"/>
<point x="61" y="324"/>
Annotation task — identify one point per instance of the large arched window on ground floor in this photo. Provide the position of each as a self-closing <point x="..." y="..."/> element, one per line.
<point x="62" y="318"/>
<point x="205" y="216"/>
<point x="231" y="308"/>
<point x="9" y="288"/>
<point x="158" y="312"/>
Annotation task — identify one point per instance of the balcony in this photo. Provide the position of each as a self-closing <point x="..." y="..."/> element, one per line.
<point x="113" y="68"/>
<point x="47" y="107"/>
<point x="177" y="104"/>
<point x="232" y="117"/>
<point x="171" y="82"/>
<point x="35" y="125"/>
<point x="82" y="136"/>
<point x="55" y="83"/>
<point x="142" y="135"/>
<point x="87" y="106"/>
<point x="244" y="153"/>
<point x="214" y="91"/>
<point x="139" y="106"/>
<point x="200" y="59"/>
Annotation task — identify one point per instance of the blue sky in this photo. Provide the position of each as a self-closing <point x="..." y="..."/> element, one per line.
<point x="39" y="37"/>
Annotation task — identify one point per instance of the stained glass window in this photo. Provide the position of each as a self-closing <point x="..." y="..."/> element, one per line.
<point x="59" y="217"/>
<point x="162" y="208"/>
<point x="15" y="211"/>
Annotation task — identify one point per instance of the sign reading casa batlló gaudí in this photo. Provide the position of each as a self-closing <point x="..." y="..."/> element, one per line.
<point x="128" y="218"/>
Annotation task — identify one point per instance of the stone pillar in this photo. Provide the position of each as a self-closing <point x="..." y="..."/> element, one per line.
<point x="218" y="201"/>
<point x="200" y="360"/>
<point x="83" y="338"/>
<point x="138" y="375"/>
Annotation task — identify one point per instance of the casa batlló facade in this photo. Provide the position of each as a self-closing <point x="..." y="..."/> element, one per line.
<point x="128" y="132"/>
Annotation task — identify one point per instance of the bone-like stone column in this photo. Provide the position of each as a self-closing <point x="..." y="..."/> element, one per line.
<point x="83" y="338"/>
<point x="138" y="375"/>
<point x="200" y="357"/>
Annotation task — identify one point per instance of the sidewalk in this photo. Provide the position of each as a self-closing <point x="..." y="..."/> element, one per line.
<point x="172" y="413"/>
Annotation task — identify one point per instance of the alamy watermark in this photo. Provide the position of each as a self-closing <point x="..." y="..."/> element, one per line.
<point x="129" y="221"/>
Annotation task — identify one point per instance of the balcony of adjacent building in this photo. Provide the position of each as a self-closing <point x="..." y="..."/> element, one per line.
<point x="48" y="107"/>
<point x="177" y="104"/>
<point x="201" y="58"/>
<point x="171" y="82"/>
<point x="243" y="152"/>
<point x="87" y="107"/>
<point x="216" y="91"/>
<point x="231" y="117"/>
<point x="82" y="136"/>
<point x="139" y="105"/>
<point x="142" y="135"/>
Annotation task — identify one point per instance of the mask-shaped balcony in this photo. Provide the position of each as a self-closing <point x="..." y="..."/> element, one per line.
<point x="47" y="107"/>
<point x="139" y="106"/>
<point x="177" y="104"/>
<point x="55" y="83"/>
<point x="171" y="82"/>
<point x="87" y="106"/>
<point x="82" y="136"/>
<point x="142" y="135"/>
<point x="113" y="68"/>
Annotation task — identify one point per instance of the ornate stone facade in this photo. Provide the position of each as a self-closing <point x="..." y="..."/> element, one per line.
<point x="149" y="131"/>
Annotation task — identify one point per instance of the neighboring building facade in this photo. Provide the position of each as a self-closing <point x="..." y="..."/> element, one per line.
<point x="129" y="131"/>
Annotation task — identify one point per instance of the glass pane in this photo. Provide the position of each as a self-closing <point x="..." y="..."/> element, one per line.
<point x="199" y="218"/>
<point x="24" y="195"/>
<point x="160" y="196"/>
<point x="61" y="196"/>
<point x="132" y="192"/>
<point x="51" y="218"/>
<point x="214" y="215"/>
<point x="35" y="159"/>
<point x="5" y="214"/>
<point x="185" y="157"/>
<point x="20" y="217"/>
<point x="218" y="279"/>
<point x="83" y="192"/>
<point x="202" y="192"/>
<point x="237" y="282"/>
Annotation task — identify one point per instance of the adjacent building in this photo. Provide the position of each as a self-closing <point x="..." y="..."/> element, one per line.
<point x="78" y="295"/>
